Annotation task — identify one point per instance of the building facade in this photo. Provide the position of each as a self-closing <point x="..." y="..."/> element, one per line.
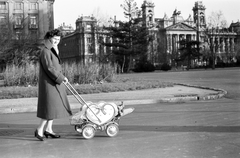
<point x="29" y="17"/>
<point x="83" y="44"/>
<point x="65" y="29"/>
<point x="169" y="31"/>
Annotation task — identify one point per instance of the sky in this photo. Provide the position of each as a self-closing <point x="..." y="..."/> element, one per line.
<point x="68" y="12"/>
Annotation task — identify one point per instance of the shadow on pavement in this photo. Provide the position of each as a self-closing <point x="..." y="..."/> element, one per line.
<point x="26" y="132"/>
<point x="216" y="129"/>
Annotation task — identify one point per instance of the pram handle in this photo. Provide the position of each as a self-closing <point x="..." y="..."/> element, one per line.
<point x="78" y="97"/>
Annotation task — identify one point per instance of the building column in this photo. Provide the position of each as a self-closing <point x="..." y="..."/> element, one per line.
<point x="174" y="48"/>
<point x="217" y="40"/>
<point x="212" y="41"/>
<point x="177" y="42"/>
<point x="174" y="43"/>
<point x="231" y="53"/>
<point x="223" y="45"/>
<point x="232" y="44"/>
<point x="95" y="44"/>
<point x="104" y="47"/>
<point x="227" y="45"/>
<point x="170" y="44"/>
<point x="184" y="36"/>
<point x="193" y="37"/>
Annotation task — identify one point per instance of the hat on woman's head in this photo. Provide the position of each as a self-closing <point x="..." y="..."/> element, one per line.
<point x="52" y="33"/>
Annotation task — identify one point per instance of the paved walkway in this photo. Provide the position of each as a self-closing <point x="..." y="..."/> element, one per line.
<point x="178" y="93"/>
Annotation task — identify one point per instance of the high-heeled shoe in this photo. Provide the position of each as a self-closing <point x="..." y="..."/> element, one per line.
<point x="38" y="136"/>
<point x="51" y="135"/>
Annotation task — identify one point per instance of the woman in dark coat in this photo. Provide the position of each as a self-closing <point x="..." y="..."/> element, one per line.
<point x="52" y="97"/>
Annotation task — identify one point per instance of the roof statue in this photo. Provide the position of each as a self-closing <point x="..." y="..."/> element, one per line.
<point x="176" y="12"/>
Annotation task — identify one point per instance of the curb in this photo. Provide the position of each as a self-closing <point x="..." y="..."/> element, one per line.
<point x="182" y="98"/>
<point x="220" y="92"/>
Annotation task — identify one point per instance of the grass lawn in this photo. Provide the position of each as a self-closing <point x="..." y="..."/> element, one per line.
<point x="122" y="84"/>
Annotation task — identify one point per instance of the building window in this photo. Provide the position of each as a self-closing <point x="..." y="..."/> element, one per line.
<point x="108" y="49"/>
<point x="33" y="6"/>
<point x="18" y="21"/>
<point x="150" y="18"/>
<point x="89" y="49"/>
<point x="89" y="40"/>
<point x="89" y="27"/>
<point x="3" y="19"/>
<point x="89" y="45"/>
<point x="3" y="6"/>
<point x="18" y="35"/>
<point x="33" y="21"/>
<point x="3" y="22"/>
<point x="18" y="6"/>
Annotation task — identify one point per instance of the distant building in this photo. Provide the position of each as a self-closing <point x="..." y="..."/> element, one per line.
<point x="168" y="31"/>
<point x="235" y="27"/>
<point x="66" y="29"/>
<point x="29" y="17"/>
<point x="82" y="45"/>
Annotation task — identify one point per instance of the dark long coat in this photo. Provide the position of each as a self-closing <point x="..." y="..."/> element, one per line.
<point x="52" y="97"/>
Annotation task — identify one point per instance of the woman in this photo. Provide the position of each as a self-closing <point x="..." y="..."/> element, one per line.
<point x="52" y="97"/>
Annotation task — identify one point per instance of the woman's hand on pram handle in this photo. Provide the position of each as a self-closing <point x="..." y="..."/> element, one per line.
<point x="65" y="80"/>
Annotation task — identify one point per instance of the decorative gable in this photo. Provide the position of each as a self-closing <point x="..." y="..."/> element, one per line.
<point x="180" y="27"/>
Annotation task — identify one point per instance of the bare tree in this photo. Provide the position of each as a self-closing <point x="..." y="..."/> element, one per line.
<point x="217" y="20"/>
<point x="102" y="19"/>
<point x="16" y="45"/>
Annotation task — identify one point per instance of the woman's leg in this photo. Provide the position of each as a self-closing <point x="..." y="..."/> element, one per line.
<point x="41" y="127"/>
<point x="49" y="131"/>
<point x="49" y="126"/>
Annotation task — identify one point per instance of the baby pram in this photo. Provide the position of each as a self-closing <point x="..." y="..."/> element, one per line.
<point x="102" y="116"/>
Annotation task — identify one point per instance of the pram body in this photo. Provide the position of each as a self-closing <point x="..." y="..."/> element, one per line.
<point x="103" y="116"/>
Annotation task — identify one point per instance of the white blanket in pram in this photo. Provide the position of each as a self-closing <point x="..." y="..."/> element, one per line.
<point x="99" y="113"/>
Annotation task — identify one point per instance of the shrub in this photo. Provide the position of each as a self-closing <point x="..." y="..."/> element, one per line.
<point x="89" y="73"/>
<point x="107" y="72"/>
<point x="220" y="64"/>
<point x="21" y="75"/>
<point x="76" y="73"/>
<point x="1" y="76"/>
<point x="165" y="67"/>
<point x="144" y="67"/>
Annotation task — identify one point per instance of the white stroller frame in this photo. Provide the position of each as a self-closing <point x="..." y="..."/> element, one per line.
<point x="88" y="128"/>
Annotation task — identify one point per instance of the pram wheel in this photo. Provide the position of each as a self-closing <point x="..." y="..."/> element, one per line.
<point x="78" y="128"/>
<point x="88" y="132"/>
<point x="112" y="130"/>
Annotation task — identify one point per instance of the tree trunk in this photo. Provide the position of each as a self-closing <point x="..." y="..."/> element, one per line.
<point x="189" y="62"/>
<point x="124" y="60"/>
<point x="213" y="59"/>
<point x="130" y="63"/>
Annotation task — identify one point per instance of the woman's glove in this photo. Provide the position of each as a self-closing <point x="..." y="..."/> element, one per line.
<point x="65" y="80"/>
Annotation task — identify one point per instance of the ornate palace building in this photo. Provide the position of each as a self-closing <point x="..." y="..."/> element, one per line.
<point x="82" y="45"/>
<point x="168" y="31"/>
<point x="29" y="17"/>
